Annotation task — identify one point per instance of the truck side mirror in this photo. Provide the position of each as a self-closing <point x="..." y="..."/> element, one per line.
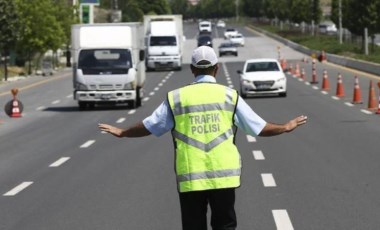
<point x="142" y="55"/>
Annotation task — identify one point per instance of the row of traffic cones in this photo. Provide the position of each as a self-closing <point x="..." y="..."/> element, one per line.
<point x="373" y="104"/>
<point x="357" y="96"/>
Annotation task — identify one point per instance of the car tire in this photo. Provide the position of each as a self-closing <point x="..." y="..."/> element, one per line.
<point x="282" y="94"/>
<point x="243" y="95"/>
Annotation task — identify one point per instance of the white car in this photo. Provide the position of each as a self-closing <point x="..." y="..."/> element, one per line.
<point x="220" y="24"/>
<point x="229" y="32"/>
<point x="262" y="77"/>
<point x="205" y="26"/>
<point x="237" y="39"/>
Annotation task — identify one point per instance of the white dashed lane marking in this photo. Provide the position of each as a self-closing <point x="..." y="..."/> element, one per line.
<point x="56" y="102"/>
<point x="251" y="139"/>
<point x="41" y="108"/>
<point x="268" y="180"/>
<point x="87" y="144"/>
<point x="282" y="220"/>
<point x="121" y="120"/>
<point x="59" y="162"/>
<point x="258" y="155"/>
<point x="18" y="188"/>
<point x="132" y="111"/>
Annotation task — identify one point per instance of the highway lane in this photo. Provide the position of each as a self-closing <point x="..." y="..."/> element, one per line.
<point x="322" y="176"/>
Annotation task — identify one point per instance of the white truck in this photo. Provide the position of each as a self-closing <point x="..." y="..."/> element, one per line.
<point x="164" y="41"/>
<point x="108" y="63"/>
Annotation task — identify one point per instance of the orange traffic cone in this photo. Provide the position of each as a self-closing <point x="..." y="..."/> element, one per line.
<point x="314" y="77"/>
<point x="303" y="76"/>
<point x="325" y="82"/>
<point x="339" y="87"/>
<point x="297" y="71"/>
<point x="357" y="99"/>
<point x="16" y="112"/>
<point x="372" y="103"/>
<point x="290" y="70"/>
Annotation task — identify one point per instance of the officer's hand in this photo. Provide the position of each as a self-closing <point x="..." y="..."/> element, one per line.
<point x="292" y="124"/>
<point x="117" y="132"/>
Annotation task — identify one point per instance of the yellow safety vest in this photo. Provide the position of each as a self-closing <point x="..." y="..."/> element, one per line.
<point x="203" y="134"/>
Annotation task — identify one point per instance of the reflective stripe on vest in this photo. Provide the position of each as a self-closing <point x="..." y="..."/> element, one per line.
<point x="206" y="157"/>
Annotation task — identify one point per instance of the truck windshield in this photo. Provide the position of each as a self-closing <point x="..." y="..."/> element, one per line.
<point x="163" y="41"/>
<point x="105" y="61"/>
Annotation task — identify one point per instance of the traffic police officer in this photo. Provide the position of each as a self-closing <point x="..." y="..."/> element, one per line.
<point x="203" y="117"/>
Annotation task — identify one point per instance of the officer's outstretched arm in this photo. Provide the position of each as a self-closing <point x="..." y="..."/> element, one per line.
<point x="136" y="130"/>
<point x="272" y="129"/>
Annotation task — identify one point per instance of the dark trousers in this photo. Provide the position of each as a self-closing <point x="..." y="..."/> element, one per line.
<point x="194" y="209"/>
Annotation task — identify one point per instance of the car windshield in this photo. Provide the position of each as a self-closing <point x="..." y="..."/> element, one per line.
<point x="261" y="66"/>
<point x="115" y="61"/>
<point x="227" y="45"/>
<point x="204" y="39"/>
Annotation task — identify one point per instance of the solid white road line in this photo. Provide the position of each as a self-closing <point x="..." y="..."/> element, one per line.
<point x="282" y="220"/>
<point x="18" y="188"/>
<point x="258" y="155"/>
<point x="87" y="144"/>
<point x="268" y="180"/>
<point x="59" y="162"/>
<point x="251" y="139"/>
<point x="121" y="120"/>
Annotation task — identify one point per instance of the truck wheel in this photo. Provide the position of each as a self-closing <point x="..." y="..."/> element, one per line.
<point x="82" y="105"/>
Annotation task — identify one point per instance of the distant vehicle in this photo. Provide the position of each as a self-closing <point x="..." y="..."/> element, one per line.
<point x="229" y="32"/>
<point x="227" y="48"/>
<point x="205" y="26"/>
<point x="221" y="24"/>
<point x="205" y="40"/>
<point x="164" y="41"/>
<point x="262" y="77"/>
<point x="47" y="68"/>
<point x="327" y="28"/>
<point x="237" y="39"/>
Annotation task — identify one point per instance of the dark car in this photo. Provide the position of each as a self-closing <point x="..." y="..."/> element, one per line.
<point x="204" y="40"/>
<point x="228" y="48"/>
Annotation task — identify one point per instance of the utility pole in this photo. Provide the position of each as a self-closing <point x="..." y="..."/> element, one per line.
<point x="115" y="13"/>
<point x="237" y="10"/>
<point x="340" y="23"/>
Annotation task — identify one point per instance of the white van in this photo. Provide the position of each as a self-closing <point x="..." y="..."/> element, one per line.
<point x="205" y="26"/>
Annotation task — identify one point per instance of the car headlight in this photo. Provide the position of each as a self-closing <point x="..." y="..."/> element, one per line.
<point x="129" y="85"/>
<point x="80" y="86"/>
<point x="244" y="81"/>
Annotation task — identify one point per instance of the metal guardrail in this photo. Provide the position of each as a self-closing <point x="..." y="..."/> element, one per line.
<point x="368" y="67"/>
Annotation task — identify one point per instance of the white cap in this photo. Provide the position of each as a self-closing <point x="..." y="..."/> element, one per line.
<point x="204" y="57"/>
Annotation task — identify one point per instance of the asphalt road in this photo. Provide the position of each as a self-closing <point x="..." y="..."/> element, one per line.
<point x="57" y="171"/>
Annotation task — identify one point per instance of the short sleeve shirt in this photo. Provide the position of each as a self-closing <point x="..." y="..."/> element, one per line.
<point x="161" y="120"/>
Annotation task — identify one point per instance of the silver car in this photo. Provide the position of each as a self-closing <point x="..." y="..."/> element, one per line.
<point x="228" y="48"/>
